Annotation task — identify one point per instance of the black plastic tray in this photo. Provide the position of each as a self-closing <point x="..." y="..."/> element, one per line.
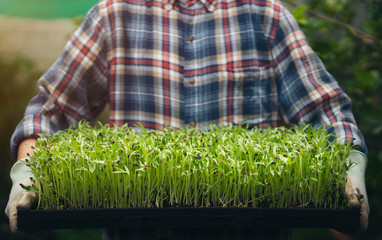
<point x="342" y="219"/>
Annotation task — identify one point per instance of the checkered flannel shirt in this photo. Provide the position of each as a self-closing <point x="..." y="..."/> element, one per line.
<point x="178" y="63"/>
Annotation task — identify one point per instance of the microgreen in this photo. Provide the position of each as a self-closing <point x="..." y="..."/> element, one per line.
<point x="233" y="166"/>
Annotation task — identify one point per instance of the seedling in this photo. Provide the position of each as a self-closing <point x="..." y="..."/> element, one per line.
<point x="233" y="166"/>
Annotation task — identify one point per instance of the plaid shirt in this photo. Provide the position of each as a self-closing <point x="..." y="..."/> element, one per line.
<point x="181" y="63"/>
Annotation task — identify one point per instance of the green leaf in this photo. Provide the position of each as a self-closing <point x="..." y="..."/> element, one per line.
<point x="299" y="12"/>
<point x="92" y="166"/>
<point x="127" y="170"/>
<point x="141" y="127"/>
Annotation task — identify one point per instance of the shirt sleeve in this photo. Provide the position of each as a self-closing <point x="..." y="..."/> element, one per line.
<point x="73" y="89"/>
<point x="307" y="92"/>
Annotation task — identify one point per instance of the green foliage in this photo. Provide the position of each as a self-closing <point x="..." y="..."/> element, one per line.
<point x="347" y="36"/>
<point x="116" y="167"/>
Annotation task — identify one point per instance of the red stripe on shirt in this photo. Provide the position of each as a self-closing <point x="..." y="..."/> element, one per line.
<point x="166" y="66"/>
<point x="229" y="66"/>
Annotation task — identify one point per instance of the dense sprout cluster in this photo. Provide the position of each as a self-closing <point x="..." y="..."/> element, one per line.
<point x="117" y="167"/>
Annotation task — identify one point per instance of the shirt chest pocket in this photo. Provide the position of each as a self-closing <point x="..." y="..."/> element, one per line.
<point x="253" y="91"/>
<point x="250" y="82"/>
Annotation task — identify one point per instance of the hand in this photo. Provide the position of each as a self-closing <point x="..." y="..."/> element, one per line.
<point x="19" y="198"/>
<point x="355" y="189"/>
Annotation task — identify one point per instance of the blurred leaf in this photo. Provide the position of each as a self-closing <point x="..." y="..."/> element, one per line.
<point x="299" y="12"/>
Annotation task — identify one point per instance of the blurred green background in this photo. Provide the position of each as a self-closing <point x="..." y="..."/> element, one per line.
<point x="45" y="9"/>
<point x="346" y="34"/>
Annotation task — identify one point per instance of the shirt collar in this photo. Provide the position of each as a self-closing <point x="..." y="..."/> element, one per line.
<point x="209" y="4"/>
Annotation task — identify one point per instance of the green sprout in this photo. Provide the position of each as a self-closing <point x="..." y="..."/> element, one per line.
<point x="232" y="166"/>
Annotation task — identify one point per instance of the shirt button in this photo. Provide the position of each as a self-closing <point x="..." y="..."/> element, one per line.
<point x="191" y="38"/>
<point x="192" y="81"/>
<point x="211" y="8"/>
<point x="192" y="124"/>
<point x="168" y="6"/>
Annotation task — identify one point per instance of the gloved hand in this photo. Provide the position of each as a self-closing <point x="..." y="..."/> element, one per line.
<point x="19" y="198"/>
<point x="355" y="189"/>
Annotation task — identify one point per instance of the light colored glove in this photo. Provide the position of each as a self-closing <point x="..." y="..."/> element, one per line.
<point x="355" y="189"/>
<point x="19" y="198"/>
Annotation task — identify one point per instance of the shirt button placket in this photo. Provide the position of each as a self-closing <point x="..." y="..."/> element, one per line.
<point x="190" y="98"/>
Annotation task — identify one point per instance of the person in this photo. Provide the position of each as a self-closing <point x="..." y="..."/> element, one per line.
<point x="186" y="63"/>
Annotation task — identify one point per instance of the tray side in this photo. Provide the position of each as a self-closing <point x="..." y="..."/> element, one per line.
<point x="344" y="220"/>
